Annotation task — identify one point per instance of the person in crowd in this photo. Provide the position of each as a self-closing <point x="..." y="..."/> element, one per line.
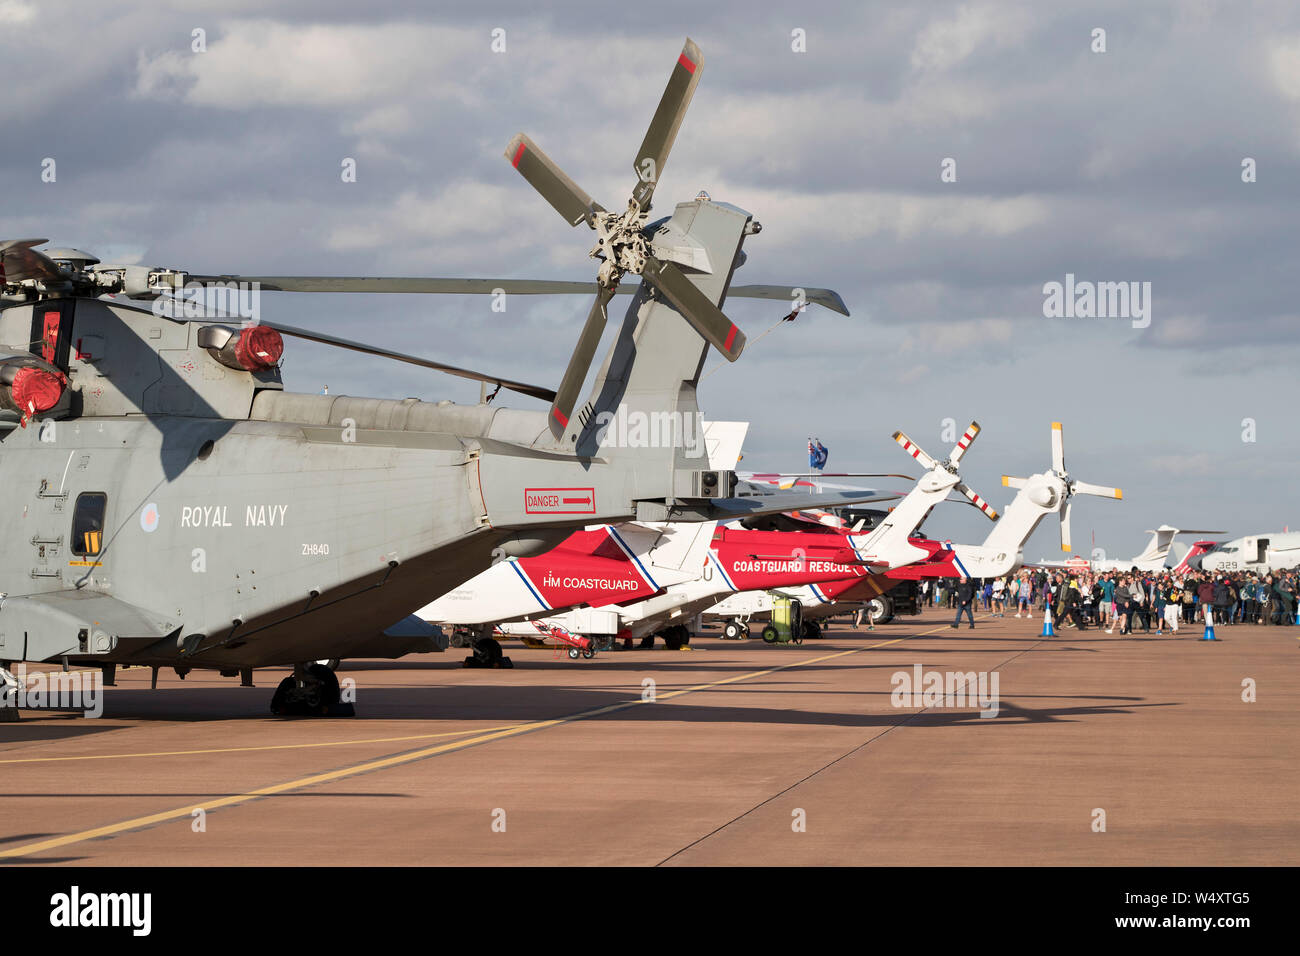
<point x="1056" y="598"/>
<point x="1205" y="599"/>
<point x="1222" y="596"/>
<point x="1123" y="595"/>
<point x="1138" y="605"/>
<point x="1073" y="605"/>
<point x="1108" y="600"/>
<point x="1286" y="598"/>
<point x="965" y="596"/>
<point x="1248" y="605"/>
<point x="1173" y="603"/>
<point x="999" y="597"/>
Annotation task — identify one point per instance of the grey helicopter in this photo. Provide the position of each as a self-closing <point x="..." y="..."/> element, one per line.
<point x="171" y="504"/>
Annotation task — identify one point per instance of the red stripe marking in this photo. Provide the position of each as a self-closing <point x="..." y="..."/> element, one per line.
<point x="731" y="337"/>
<point x="560" y="417"/>
<point x="519" y="154"/>
<point x="683" y="60"/>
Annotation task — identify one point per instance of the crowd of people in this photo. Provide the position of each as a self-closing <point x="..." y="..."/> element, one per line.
<point x="1156" y="601"/>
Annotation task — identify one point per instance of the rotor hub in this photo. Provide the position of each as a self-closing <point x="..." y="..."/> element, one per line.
<point x="621" y="243"/>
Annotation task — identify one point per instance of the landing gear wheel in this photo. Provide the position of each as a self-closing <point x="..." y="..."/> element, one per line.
<point x="672" y="639"/>
<point x="488" y="651"/>
<point x="811" y="631"/>
<point x="280" y="698"/>
<point x="770" y="634"/>
<point x="313" y="691"/>
<point x="573" y="653"/>
<point x="880" y="611"/>
<point x="321" y="689"/>
<point x="731" y="631"/>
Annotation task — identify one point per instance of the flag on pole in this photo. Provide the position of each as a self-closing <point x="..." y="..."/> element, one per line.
<point x="817" y="454"/>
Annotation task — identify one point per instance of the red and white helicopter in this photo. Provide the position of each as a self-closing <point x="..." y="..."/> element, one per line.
<point x="639" y="580"/>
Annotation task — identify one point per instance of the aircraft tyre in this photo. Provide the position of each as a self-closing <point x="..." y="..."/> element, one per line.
<point x="880" y="610"/>
<point x="313" y="691"/>
<point x="487" y="653"/>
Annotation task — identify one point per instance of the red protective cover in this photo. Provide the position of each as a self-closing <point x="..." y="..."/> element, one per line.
<point x="259" y="347"/>
<point x="36" y="390"/>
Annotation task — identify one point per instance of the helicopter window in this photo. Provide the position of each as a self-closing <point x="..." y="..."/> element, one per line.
<point x="88" y="523"/>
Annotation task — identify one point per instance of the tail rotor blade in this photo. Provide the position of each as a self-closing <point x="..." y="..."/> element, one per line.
<point x="658" y="142"/>
<point x="566" y="396"/>
<point x="1065" y="526"/>
<point x="568" y="198"/>
<point x="964" y="443"/>
<point x="696" y="307"/>
<point x="915" y="450"/>
<point x="977" y="501"/>
<point x="1058" y="449"/>
<point x="1099" y="491"/>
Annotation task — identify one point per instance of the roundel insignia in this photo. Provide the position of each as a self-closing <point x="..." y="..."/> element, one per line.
<point x="149" y="517"/>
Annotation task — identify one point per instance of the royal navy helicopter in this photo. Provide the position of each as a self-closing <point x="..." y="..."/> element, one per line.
<point x="170" y="504"/>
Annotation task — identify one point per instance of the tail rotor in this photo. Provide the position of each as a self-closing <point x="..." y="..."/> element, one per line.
<point x="1054" y="489"/>
<point x="950" y="464"/>
<point x="623" y="245"/>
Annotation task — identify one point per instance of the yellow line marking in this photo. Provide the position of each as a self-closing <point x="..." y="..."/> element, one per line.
<point x="240" y="750"/>
<point x="386" y="762"/>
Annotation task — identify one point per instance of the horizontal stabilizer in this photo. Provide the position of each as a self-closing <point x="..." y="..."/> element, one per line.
<point x="723" y="508"/>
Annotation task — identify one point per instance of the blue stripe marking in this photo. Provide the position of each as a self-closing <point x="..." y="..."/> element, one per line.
<point x="718" y="564"/>
<point x="821" y="597"/>
<point x="529" y="584"/>
<point x="618" y="538"/>
<point x="960" y="567"/>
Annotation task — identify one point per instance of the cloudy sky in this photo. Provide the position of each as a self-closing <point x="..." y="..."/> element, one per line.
<point x="1123" y="165"/>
